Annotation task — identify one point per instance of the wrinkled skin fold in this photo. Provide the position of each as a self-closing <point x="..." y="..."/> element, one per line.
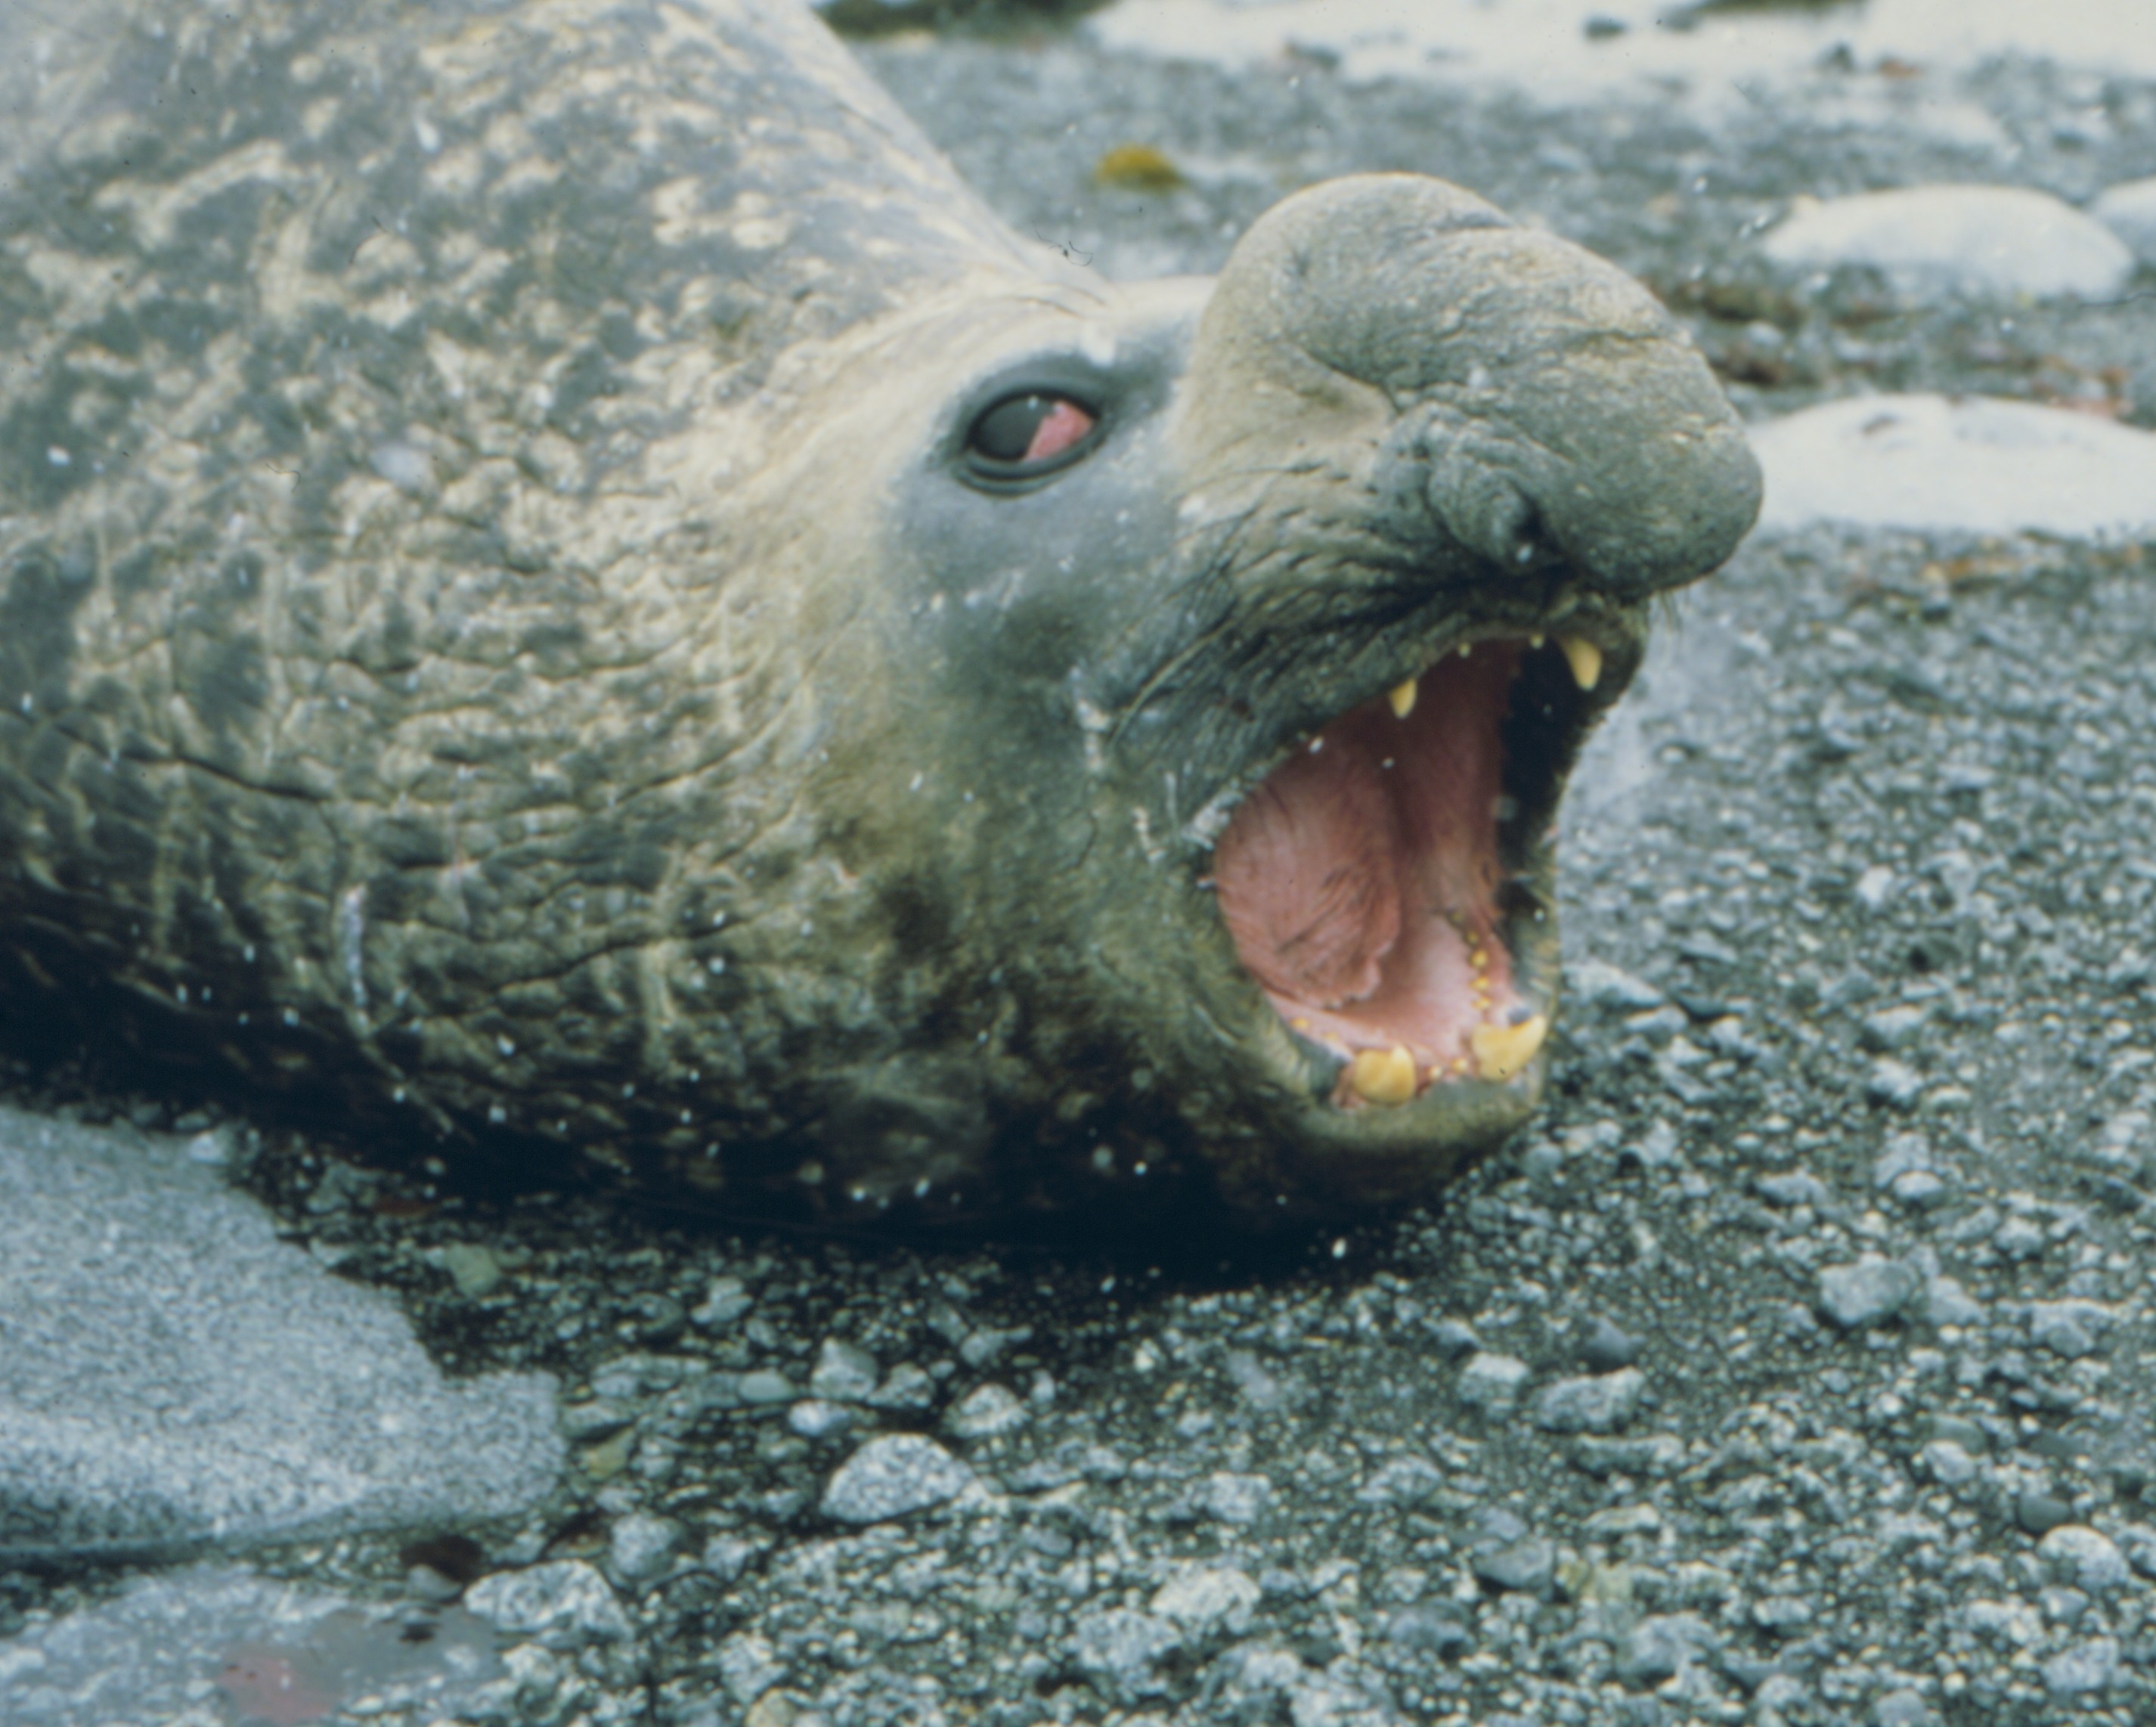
<point x="501" y="640"/>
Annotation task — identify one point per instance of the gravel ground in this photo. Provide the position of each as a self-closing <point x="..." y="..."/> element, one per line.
<point x="1797" y="1368"/>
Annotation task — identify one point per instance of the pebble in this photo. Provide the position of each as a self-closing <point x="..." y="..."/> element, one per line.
<point x="1527" y="1566"/>
<point x="1231" y="1498"/>
<point x="1904" y="1708"/>
<point x="1201" y="1597"/>
<point x="1948" y="1463"/>
<point x="564" y="1605"/>
<point x="1608" y="1346"/>
<point x="2066" y="1327"/>
<point x="1963" y="1432"/>
<point x="1946" y="1303"/>
<point x="749" y="1669"/>
<point x="1122" y="1649"/>
<point x="727" y="1556"/>
<point x="1784" y="1615"/>
<point x="843" y="1373"/>
<point x="1655" y="1455"/>
<point x="1606" y="986"/>
<point x="2084" y="1557"/>
<point x="1438" y="1630"/>
<point x="893" y="1475"/>
<point x="1917" y="1189"/>
<point x="814" y="1418"/>
<point x="2000" y="241"/>
<point x="985" y="1413"/>
<point x="2086" y="1667"/>
<point x="1893" y="1028"/>
<point x="1658" y="1649"/>
<point x="639" y="1546"/>
<point x="1895" y="1082"/>
<point x="1454" y="1339"/>
<point x="1853" y="1296"/>
<point x="2129" y="210"/>
<point x="1492" y="1383"/>
<point x="1597" y="1403"/>
<point x="1403" y="1481"/>
<point x="905" y="1387"/>
<point x="2040" y="1512"/>
<point x="1796" y="1188"/>
<point x="473" y="1268"/>
<point x="767" y="1385"/>
<point x="726" y="1301"/>
<point x="1972" y="464"/>
<point x="1903" y="1153"/>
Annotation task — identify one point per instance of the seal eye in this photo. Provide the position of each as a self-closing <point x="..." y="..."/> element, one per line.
<point x="1026" y="436"/>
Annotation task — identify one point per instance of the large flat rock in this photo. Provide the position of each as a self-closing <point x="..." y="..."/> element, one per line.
<point x="1976" y="465"/>
<point x="1996" y="240"/>
<point x="177" y="1376"/>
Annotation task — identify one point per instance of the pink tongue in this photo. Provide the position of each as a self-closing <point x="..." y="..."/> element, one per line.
<point x="1308" y="873"/>
<point x="1362" y="871"/>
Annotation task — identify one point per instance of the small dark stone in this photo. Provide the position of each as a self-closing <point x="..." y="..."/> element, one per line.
<point x="1454" y="1339"/>
<point x="457" y="1557"/>
<point x="1962" y="1431"/>
<point x="1606" y="1348"/>
<point x="2038" y="1513"/>
<point x="2059" y="1447"/>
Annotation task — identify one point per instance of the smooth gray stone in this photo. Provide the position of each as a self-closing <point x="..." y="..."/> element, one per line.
<point x="175" y="1376"/>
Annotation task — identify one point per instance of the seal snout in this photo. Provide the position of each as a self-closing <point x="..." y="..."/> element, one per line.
<point x="1552" y="410"/>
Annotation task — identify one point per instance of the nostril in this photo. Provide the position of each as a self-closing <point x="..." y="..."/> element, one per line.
<point x="1484" y="512"/>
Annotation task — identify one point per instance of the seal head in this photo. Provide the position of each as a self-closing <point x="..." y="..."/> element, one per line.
<point x="1287" y="674"/>
<point x="564" y="580"/>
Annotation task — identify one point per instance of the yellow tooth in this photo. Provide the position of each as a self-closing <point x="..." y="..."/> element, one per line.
<point x="1502" y="1051"/>
<point x="1384" y="1078"/>
<point x="1585" y="658"/>
<point x="1402" y="697"/>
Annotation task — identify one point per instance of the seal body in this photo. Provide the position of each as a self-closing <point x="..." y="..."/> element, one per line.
<point x="562" y="578"/>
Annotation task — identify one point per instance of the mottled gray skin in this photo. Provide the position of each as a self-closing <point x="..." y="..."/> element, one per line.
<point x="493" y="633"/>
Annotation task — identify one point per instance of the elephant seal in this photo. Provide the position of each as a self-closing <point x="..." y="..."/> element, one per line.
<point x="565" y="580"/>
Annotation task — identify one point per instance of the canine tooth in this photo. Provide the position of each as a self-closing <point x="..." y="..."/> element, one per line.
<point x="1585" y="658"/>
<point x="1401" y="696"/>
<point x="1384" y="1077"/>
<point x="1502" y="1051"/>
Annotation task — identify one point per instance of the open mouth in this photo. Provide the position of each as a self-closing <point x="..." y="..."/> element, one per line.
<point x="1376" y="882"/>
